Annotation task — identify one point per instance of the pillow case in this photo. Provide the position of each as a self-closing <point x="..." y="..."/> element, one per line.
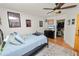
<point x="11" y="39"/>
<point x="18" y="38"/>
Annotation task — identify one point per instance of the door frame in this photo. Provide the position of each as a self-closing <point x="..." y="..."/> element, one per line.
<point x="76" y="32"/>
<point x="56" y="27"/>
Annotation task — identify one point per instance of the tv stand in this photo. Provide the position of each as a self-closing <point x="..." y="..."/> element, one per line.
<point x="49" y="33"/>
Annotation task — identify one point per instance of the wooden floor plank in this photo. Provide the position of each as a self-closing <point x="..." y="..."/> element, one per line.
<point x="60" y="41"/>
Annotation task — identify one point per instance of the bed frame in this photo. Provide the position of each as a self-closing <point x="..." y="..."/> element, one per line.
<point x="36" y="50"/>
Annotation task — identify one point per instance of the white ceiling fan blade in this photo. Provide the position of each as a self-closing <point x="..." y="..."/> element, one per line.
<point x="68" y="6"/>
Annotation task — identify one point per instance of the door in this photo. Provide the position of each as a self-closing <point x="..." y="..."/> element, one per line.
<point x="60" y="28"/>
<point x="77" y="34"/>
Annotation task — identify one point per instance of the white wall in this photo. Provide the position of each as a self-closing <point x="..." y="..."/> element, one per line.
<point x="23" y="30"/>
<point x="69" y="31"/>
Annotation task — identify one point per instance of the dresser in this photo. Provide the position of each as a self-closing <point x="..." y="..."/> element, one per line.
<point x="49" y="33"/>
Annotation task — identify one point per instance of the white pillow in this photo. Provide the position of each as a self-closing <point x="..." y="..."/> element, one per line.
<point x="11" y="39"/>
<point x="19" y="38"/>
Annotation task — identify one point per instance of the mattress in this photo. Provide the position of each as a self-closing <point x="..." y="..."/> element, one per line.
<point x="30" y="43"/>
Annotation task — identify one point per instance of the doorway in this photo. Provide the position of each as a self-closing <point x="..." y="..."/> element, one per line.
<point x="60" y="28"/>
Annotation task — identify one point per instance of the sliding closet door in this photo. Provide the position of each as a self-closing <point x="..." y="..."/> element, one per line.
<point x="77" y="34"/>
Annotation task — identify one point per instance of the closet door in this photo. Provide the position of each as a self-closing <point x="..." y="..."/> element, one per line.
<point x="77" y="35"/>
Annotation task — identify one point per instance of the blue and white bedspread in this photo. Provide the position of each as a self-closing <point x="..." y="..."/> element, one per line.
<point x="30" y="43"/>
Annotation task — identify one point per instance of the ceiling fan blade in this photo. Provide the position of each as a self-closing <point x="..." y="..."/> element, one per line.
<point x="48" y="8"/>
<point x="61" y="4"/>
<point x="49" y="12"/>
<point x="68" y="7"/>
<point x="58" y="5"/>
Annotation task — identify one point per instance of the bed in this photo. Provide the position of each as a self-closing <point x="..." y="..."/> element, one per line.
<point x="32" y="43"/>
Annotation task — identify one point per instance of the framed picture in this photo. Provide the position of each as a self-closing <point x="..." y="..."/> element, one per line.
<point x="50" y="21"/>
<point x="73" y="21"/>
<point x="14" y="19"/>
<point x="41" y="23"/>
<point x="28" y="23"/>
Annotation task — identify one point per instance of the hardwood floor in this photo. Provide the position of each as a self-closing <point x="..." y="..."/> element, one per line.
<point x="60" y="41"/>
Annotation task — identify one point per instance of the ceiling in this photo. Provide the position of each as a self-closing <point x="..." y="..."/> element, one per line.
<point x="29" y="8"/>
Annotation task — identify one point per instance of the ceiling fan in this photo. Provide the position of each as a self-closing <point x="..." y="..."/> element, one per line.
<point x="59" y="7"/>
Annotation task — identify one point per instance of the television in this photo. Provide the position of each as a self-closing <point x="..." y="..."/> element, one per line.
<point x="52" y="27"/>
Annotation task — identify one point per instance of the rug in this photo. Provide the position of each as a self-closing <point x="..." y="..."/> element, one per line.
<point x="55" y="50"/>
